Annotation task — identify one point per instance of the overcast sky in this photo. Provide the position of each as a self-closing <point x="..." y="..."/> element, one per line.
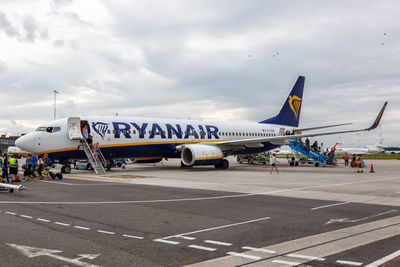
<point x="211" y="60"/>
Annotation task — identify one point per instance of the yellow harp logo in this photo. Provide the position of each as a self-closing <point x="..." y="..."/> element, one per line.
<point x="295" y="104"/>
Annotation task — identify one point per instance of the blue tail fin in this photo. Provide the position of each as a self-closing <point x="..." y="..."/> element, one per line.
<point x="290" y="112"/>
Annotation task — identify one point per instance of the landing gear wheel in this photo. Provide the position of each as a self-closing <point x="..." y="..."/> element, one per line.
<point x="224" y="164"/>
<point x="67" y="169"/>
<point x="52" y="175"/>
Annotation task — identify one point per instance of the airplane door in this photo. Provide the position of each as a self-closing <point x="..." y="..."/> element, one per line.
<point x="74" y="128"/>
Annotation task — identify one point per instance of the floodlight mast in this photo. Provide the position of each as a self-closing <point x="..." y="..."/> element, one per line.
<point x="55" y="94"/>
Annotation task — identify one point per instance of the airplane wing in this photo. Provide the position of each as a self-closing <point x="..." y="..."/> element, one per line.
<point x="279" y="140"/>
<point x="299" y="130"/>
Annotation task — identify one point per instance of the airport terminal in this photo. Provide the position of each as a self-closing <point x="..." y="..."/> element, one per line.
<point x="202" y="134"/>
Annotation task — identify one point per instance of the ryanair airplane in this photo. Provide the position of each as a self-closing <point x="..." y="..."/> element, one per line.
<point x="195" y="142"/>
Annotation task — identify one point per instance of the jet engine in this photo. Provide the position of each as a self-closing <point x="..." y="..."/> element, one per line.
<point x="198" y="154"/>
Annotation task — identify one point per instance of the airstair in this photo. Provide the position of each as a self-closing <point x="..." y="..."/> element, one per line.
<point x="310" y="153"/>
<point x="94" y="155"/>
<point x="95" y="158"/>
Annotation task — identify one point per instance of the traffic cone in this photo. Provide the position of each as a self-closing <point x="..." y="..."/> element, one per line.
<point x="372" y="169"/>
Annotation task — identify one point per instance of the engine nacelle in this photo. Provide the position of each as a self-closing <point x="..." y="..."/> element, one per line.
<point x="199" y="154"/>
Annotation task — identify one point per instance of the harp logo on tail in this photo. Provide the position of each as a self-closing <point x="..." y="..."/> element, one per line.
<point x="295" y="104"/>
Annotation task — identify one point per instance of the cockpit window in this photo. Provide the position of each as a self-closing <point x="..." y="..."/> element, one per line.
<point x="41" y="129"/>
<point x="56" y="129"/>
<point x="49" y="129"/>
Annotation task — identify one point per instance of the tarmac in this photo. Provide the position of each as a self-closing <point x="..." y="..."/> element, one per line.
<point x="163" y="215"/>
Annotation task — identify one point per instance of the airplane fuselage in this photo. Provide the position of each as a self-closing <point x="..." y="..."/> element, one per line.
<point x="147" y="137"/>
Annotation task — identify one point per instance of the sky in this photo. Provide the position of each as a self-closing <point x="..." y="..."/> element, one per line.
<point x="211" y="60"/>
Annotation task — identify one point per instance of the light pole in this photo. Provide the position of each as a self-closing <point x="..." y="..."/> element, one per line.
<point x="55" y="93"/>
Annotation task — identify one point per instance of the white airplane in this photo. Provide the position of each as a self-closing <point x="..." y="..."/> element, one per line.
<point x="368" y="149"/>
<point x="195" y="142"/>
<point x="16" y="150"/>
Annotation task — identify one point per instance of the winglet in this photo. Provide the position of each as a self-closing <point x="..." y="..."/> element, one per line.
<point x="378" y="118"/>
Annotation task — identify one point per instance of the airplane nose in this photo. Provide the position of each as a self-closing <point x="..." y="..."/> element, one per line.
<point x="26" y="143"/>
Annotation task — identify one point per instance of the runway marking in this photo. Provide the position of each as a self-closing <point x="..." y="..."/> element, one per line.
<point x="260" y="250"/>
<point x="106" y="232"/>
<point x="192" y="199"/>
<point x="25" y="216"/>
<point x="10" y="213"/>
<point x="352" y="263"/>
<point x="51" y="182"/>
<point x="298" y="256"/>
<point x="132" y="236"/>
<point x="218" y="227"/>
<point x="167" y="241"/>
<point x="97" y="178"/>
<point x="218" y="243"/>
<point x="202" y="248"/>
<point x="331" y="205"/>
<point x="63" y="224"/>
<point x="81" y="227"/>
<point x="384" y="259"/>
<point x="291" y="263"/>
<point x="42" y="220"/>
<point x="185" y="237"/>
<point x="346" y="220"/>
<point x="244" y="255"/>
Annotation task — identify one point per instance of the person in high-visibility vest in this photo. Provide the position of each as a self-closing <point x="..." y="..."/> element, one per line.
<point x="4" y="167"/>
<point x="13" y="165"/>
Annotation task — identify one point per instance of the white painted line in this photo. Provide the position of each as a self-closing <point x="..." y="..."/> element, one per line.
<point x="10" y="213"/>
<point x="166" y="241"/>
<point x="25" y="216"/>
<point x="384" y="259"/>
<point x="42" y="220"/>
<point x="106" y="232"/>
<point x="291" y="263"/>
<point x="244" y="255"/>
<point x="218" y="243"/>
<point x="219" y="227"/>
<point x="202" y="248"/>
<point x="81" y="227"/>
<point x="311" y="258"/>
<point x="185" y="237"/>
<point x="51" y="182"/>
<point x="132" y="236"/>
<point x="197" y="198"/>
<point x="63" y="224"/>
<point x="260" y="250"/>
<point x="352" y="263"/>
<point x="328" y="206"/>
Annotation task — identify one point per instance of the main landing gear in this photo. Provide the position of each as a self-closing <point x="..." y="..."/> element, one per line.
<point x="224" y="164"/>
<point x="66" y="169"/>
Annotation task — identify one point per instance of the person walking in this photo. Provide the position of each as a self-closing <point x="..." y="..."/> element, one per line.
<point x="274" y="163"/>
<point x="40" y="168"/>
<point x="13" y="165"/>
<point x="346" y="159"/>
<point x="47" y="165"/>
<point x="4" y="167"/>
<point x="85" y="132"/>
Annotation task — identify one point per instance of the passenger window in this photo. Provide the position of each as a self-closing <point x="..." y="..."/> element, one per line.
<point x="108" y="131"/>
<point x="134" y="131"/>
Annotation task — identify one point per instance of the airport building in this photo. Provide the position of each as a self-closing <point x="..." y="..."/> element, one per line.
<point x="6" y="141"/>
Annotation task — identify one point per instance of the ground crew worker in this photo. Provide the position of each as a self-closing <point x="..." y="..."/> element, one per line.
<point x="4" y="167"/>
<point x="13" y="165"/>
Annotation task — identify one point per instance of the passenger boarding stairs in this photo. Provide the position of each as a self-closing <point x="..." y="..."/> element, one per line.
<point x="309" y="152"/>
<point x="95" y="158"/>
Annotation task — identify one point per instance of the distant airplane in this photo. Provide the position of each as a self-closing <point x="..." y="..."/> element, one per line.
<point x="368" y="149"/>
<point x="195" y="142"/>
<point x="17" y="151"/>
